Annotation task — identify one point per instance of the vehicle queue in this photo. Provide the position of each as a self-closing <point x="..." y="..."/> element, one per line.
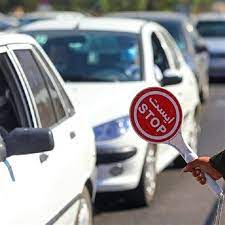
<point x="104" y="62"/>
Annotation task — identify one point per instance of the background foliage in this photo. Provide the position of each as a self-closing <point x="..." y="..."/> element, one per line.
<point x="102" y="6"/>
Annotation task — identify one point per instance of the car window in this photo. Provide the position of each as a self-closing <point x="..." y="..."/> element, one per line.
<point x="160" y="58"/>
<point x="14" y="95"/>
<point x="9" y="116"/>
<point x="38" y="86"/>
<point x="173" y="50"/>
<point x="175" y="29"/>
<point x="58" y="105"/>
<point x="211" y="28"/>
<point x="69" y="107"/>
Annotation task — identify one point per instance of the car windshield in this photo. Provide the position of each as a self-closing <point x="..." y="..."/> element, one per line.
<point x="211" y="28"/>
<point x="92" y="55"/>
<point x="176" y="31"/>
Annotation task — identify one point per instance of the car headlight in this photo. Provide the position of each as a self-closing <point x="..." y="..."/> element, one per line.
<point x="112" y="129"/>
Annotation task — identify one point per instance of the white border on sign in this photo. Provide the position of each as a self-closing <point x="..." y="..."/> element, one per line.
<point x="158" y="138"/>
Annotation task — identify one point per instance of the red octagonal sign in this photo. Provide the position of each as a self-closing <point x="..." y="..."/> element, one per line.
<point x="155" y="115"/>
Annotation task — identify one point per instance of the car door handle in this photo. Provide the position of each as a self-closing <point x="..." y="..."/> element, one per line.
<point x="72" y="134"/>
<point x="43" y="157"/>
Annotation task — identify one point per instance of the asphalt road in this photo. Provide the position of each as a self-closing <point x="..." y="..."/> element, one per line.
<point x="179" y="199"/>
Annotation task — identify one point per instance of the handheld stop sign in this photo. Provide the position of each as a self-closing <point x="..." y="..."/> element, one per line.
<point x="156" y="117"/>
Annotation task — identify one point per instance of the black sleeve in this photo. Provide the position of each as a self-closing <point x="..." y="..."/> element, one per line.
<point x="218" y="162"/>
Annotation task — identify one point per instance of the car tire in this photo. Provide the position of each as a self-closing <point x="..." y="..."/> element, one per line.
<point x="85" y="212"/>
<point x="144" y="194"/>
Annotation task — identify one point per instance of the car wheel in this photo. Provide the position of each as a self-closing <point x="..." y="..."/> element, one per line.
<point x="85" y="215"/>
<point x="144" y="193"/>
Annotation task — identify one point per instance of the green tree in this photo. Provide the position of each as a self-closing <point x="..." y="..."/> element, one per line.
<point x="103" y="6"/>
<point x="202" y="5"/>
<point x="7" y="5"/>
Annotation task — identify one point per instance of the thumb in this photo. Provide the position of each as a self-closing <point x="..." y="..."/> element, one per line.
<point x="192" y="165"/>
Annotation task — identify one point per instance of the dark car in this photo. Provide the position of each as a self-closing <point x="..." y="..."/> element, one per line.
<point x="192" y="46"/>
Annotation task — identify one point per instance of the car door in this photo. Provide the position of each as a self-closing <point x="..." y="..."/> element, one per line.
<point x="163" y="62"/>
<point x="167" y="57"/>
<point x="18" y="197"/>
<point x="187" y="90"/>
<point x="190" y="93"/>
<point x="61" y="175"/>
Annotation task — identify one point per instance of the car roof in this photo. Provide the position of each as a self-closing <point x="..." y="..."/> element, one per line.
<point x="92" y="23"/>
<point x="210" y="17"/>
<point x="51" y="25"/>
<point x="150" y="15"/>
<point x="11" y="38"/>
<point x="52" y="14"/>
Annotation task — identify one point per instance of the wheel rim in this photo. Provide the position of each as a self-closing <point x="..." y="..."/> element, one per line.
<point x="150" y="175"/>
<point x="83" y="214"/>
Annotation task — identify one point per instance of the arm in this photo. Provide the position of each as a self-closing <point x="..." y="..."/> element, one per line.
<point x="218" y="162"/>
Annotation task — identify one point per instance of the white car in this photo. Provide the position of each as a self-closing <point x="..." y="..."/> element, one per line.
<point x="211" y="26"/>
<point x="48" y="15"/>
<point x="50" y="187"/>
<point x="106" y="61"/>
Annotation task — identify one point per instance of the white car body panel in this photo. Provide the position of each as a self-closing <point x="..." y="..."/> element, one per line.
<point x="51" y="25"/>
<point x="42" y="190"/>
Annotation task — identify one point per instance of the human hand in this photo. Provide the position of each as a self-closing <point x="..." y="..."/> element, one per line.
<point x="199" y="167"/>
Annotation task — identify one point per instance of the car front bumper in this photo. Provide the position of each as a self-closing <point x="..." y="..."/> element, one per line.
<point x="120" y="163"/>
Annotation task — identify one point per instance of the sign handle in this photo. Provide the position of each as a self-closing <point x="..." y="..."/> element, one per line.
<point x="189" y="155"/>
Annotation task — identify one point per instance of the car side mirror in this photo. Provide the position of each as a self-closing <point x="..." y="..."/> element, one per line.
<point x="201" y="47"/>
<point x="22" y="141"/>
<point x="171" y="77"/>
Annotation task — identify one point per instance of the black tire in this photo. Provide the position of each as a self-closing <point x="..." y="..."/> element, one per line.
<point x="144" y="194"/>
<point x="85" y="204"/>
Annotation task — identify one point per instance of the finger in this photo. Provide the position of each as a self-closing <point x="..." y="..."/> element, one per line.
<point x="203" y="181"/>
<point x="196" y="172"/>
<point x="192" y="165"/>
<point x="198" y="178"/>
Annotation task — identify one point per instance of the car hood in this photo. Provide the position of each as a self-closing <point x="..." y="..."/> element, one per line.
<point x="215" y="45"/>
<point x="103" y="102"/>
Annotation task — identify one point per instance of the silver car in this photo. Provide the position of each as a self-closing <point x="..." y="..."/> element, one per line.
<point x="211" y="27"/>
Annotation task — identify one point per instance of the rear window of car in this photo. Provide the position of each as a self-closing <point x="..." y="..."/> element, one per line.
<point x="211" y="28"/>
